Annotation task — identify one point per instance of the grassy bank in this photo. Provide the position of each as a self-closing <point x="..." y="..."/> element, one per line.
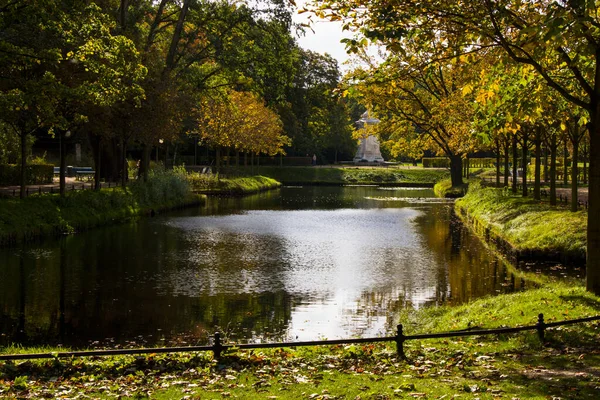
<point x="444" y="189"/>
<point x="49" y="214"/>
<point x="211" y="184"/>
<point x="566" y="365"/>
<point x="525" y="228"/>
<point x="348" y="175"/>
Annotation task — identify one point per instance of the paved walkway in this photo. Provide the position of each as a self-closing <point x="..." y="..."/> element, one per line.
<point x="582" y="192"/>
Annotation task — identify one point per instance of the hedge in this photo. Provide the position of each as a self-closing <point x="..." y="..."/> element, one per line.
<point x="436" y="162"/>
<point x="444" y="162"/>
<point x="37" y="174"/>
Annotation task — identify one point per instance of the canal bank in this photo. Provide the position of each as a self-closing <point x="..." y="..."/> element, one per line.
<point x="348" y="175"/>
<point x="523" y="228"/>
<point x="564" y="365"/>
<point x="47" y="215"/>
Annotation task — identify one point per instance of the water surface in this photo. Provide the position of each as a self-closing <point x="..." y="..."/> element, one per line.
<point x="301" y="263"/>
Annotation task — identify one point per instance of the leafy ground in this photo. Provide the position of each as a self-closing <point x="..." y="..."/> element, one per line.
<point x="519" y="366"/>
<point x="528" y="226"/>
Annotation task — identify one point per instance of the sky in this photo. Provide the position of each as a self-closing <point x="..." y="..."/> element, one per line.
<point x="325" y="38"/>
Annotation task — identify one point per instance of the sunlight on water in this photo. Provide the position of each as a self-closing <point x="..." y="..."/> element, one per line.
<point x="300" y="263"/>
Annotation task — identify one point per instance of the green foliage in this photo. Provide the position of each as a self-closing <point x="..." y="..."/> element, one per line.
<point x="36" y="174"/>
<point x="162" y="187"/>
<point x="527" y="225"/>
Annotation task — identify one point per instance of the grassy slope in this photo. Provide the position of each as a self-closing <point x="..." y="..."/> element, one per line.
<point x="48" y="214"/>
<point x="526" y="225"/>
<point x="348" y="175"/>
<point x="232" y="186"/>
<point x="504" y="366"/>
<point x="445" y="189"/>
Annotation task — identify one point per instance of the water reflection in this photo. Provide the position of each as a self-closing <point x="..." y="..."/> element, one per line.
<point x="297" y="263"/>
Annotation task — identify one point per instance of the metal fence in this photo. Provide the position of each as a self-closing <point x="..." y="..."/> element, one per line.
<point x="15" y="191"/>
<point x="218" y="347"/>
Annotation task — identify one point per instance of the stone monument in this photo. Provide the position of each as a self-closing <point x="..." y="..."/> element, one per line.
<point x="368" y="149"/>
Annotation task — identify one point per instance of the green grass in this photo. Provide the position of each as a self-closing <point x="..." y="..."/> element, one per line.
<point x="528" y="226"/>
<point x="566" y="365"/>
<point x="444" y="189"/>
<point x="212" y="184"/>
<point x="49" y="214"/>
<point x="347" y="175"/>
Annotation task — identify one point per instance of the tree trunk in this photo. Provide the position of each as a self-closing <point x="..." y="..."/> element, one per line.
<point x="456" y="167"/>
<point x="171" y="55"/>
<point x="506" y="162"/>
<point x="524" y="161"/>
<point x="585" y="158"/>
<point x="497" y="163"/>
<point x="123" y="163"/>
<point x="97" y="161"/>
<point x="218" y="160"/>
<point x="593" y="230"/>
<point x="515" y="159"/>
<point x="538" y="163"/>
<point x="565" y="164"/>
<point x="546" y="166"/>
<point x="145" y="163"/>
<point x="63" y="164"/>
<point x="23" y="172"/>
<point x="574" y="168"/>
<point x="553" y="150"/>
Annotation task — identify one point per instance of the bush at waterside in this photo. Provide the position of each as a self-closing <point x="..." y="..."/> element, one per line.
<point x="162" y="187"/>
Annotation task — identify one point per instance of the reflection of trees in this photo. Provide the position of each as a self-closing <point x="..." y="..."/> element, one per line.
<point x="473" y="270"/>
<point x="105" y="286"/>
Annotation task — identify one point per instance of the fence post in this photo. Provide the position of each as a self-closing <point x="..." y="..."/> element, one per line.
<point x="541" y="326"/>
<point x="217" y="346"/>
<point x="400" y="339"/>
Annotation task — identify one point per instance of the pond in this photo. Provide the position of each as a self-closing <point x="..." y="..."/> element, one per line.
<point x="298" y="263"/>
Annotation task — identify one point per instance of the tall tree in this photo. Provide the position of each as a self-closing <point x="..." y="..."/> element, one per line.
<point x="57" y="58"/>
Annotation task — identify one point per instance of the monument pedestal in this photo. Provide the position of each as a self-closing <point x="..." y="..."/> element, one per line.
<point x="368" y="151"/>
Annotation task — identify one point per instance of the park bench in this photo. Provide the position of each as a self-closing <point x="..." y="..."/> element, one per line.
<point x="83" y="173"/>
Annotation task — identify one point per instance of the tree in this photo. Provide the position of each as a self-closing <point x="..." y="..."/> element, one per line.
<point x="320" y="123"/>
<point x="424" y="102"/>
<point x="57" y="59"/>
<point x="560" y="40"/>
<point x="242" y="121"/>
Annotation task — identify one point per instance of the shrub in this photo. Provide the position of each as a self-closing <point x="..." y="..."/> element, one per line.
<point x="163" y="186"/>
<point x="436" y="162"/>
<point x="37" y="174"/>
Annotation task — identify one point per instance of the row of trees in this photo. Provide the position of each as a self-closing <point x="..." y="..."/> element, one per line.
<point x="459" y="75"/>
<point x="122" y="73"/>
